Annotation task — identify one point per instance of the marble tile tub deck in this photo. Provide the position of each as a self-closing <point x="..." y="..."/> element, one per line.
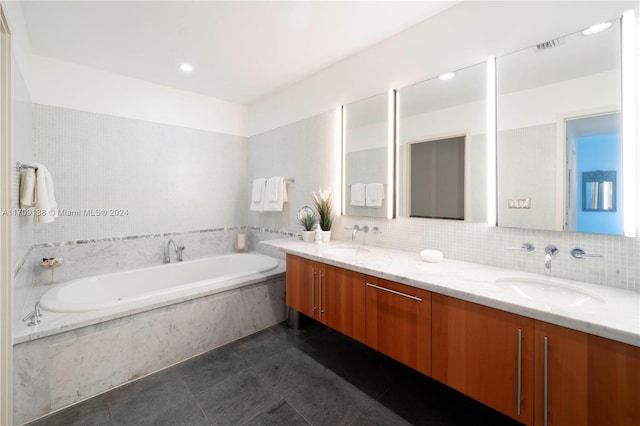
<point x="618" y="318"/>
<point x="72" y="357"/>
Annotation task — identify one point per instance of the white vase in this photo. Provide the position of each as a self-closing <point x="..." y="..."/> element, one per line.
<point x="307" y="236"/>
<point x="326" y="236"/>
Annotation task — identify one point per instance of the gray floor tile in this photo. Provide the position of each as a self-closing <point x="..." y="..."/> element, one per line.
<point x="184" y="414"/>
<point x="379" y="415"/>
<point x="279" y="414"/>
<point x="330" y="402"/>
<point x="370" y="371"/>
<point x="135" y="404"/>
<point x="210" y="368"/>
<point x="93" y="412"/>
<point x="261" y="345"/>
<point x="290" y="371"/>
<point x="237" y="400"/>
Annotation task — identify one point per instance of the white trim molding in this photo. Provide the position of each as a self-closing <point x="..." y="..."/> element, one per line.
<point x="6" y="276"/>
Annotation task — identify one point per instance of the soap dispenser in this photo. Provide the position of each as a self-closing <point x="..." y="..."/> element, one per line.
<point x="318" y="233"/>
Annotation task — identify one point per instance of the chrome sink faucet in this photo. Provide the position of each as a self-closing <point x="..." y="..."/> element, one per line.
<point x="550" y="251"/>
<point x="355" y="230"/>
<point x="167" y="253"/>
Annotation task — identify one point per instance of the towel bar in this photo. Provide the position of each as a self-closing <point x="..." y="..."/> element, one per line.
<point x="291" y="180"/>
<point x="21" y="166"/>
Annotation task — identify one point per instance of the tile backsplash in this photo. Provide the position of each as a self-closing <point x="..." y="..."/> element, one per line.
<point x="476" y="242"/>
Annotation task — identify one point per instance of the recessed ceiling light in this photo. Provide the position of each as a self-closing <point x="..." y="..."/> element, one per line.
<point x="447" y="76"/>
<point x="186" y="67"/>
<point x="598" y="28"/>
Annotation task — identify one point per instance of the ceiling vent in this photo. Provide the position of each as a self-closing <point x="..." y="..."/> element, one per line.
<point x="549" y="44"/>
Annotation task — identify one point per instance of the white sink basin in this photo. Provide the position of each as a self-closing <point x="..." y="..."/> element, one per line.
<point x="549" y="294"/>
<point x="344" y="251"/>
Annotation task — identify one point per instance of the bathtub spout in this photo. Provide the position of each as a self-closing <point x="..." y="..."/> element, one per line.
<point x="167" y="252"/>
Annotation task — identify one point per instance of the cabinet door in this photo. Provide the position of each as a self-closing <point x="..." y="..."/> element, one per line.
<point x="343" y="301"/>
<point x="484" y="353"/>
<point x="583" y="379"/>
<point x="398" y="322"/>
<point x="300" y="288"/>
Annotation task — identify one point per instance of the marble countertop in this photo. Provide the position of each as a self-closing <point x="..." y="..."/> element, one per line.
<point x="609" y="312"/>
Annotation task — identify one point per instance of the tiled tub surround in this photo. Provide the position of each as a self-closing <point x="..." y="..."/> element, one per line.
<point x="165" y="177"/>
<point x="71" y="357"/>
<point x="86" y="258"/>
<point x="615" y="319"/>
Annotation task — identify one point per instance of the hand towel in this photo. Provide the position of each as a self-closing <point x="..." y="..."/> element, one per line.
<point x="28" y="188"/>
<point x="357" y="194"/>
<point x="374" y="194"/>
<point x="257" y="194"/>
<point x="45" y="198"/>
<point x="275" y="188"/>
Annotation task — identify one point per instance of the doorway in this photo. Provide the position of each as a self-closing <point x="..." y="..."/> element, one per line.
<point x="594" y="174"/>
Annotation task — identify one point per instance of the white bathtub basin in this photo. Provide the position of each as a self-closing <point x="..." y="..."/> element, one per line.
<point x="119" y="288"/>
<point x="549" y="293"/>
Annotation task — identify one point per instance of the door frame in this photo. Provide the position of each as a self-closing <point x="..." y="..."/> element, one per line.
<point x="6" y="184"/>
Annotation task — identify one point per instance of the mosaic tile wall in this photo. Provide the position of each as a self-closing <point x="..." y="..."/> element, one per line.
<point x="115" y="176"/>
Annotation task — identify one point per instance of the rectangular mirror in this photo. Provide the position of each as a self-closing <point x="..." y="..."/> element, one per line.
<point x="442" y="146"/>
<point x="366" y="159"/>
<point x="559" y="128"/>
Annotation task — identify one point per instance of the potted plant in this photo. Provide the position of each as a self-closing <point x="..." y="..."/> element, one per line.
<point x="323" y="205"/>
<point x="307" y="218"/>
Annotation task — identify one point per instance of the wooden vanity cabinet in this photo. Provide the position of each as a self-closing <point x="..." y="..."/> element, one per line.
<point x="585" y="380"/>
<point x="331" y="295"/>
<point x="484" y="353"/>
<point x="535" y="372"/>
<point x="302" y="285"/>
<point x="345" y="308"/>
<point x="398" y="322"/>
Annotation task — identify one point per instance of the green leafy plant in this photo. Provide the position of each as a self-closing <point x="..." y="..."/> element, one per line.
<point x="322" y="203"/>
<point x="307" y="220"/>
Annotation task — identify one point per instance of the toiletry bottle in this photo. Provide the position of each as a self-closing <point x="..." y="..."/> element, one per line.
<point x="317" y="237"/>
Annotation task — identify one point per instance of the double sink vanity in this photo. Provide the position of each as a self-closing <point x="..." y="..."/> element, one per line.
<point x="543" y="351"/>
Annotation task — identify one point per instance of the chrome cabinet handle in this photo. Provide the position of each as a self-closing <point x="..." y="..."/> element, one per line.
<point x="546" y="381"/>
<point x="519" y="371"/>
<point x="320" y="276"/>
<point x="395" y="292"/>
<point x="313" y="291"/>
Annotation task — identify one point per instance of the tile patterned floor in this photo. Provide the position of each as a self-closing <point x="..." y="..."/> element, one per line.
<point x="313" y="376"/>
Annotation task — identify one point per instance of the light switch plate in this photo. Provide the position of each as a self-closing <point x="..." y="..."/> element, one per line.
<point x="519" y="203"/>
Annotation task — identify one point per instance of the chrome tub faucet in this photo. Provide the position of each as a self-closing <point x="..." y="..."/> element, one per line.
<point x="167" y="252"/>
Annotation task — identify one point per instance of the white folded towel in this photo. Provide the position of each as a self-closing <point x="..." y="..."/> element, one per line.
<point x="374" y="194"/>
<point x="257" y="194"/>
<point x="28" y="188"/>
<point x="45" y="197"/>
<point x="357" y="194"/>
<point x="276" y="194"/>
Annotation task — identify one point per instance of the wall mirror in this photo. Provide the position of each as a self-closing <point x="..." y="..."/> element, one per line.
<point x="366" y="164"/>
<point x="559" y="149"/>
<point x="441" y="148"/>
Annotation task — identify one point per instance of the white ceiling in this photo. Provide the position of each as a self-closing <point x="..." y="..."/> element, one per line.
<point x="240" y="51"/>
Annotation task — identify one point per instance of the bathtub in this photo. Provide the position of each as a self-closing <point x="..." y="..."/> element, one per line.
<point x="121" y="288"/>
